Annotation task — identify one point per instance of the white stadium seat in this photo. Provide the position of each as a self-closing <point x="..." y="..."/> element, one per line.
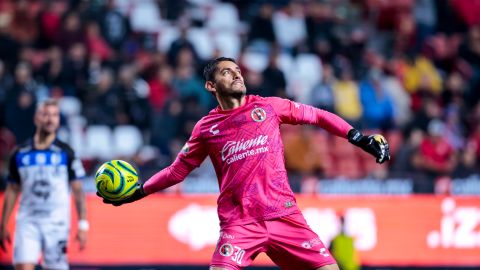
<point x="70" y="106"/>
<point x="223" y="16"/>
<point x="99" y="141"/>
<point x="202" y="41"/>
<point x="255" y="61"/>
<point x="127" y="140"/>
<point x="228" y="42"/>
<point x="166" y="36"/>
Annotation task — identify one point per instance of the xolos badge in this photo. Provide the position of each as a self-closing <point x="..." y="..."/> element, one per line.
<point x="226" y="250"/>
<point x="258" y="115"/>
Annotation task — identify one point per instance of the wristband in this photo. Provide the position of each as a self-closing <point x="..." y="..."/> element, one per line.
<point x="83" y="225"/>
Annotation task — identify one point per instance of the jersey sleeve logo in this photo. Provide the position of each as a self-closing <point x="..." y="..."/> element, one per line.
<point x="258" y="115"/>
<point x="213" y="129"/>
<point x="185" y="149"/>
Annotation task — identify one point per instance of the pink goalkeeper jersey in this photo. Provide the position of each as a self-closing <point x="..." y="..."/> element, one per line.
<point x="246" y="150"/>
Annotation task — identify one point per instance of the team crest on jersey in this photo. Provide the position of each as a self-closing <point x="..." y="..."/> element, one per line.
<point x="226" y="250"/>
<point x="258" y="115"/>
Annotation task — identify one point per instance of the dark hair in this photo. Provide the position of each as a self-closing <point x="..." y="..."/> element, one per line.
<point x="211" y="67"/>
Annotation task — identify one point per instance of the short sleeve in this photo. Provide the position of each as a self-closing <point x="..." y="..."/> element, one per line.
<point x="13" y="174"/>
<point x="75" y="166"/>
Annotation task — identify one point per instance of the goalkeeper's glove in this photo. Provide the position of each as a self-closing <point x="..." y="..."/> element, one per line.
<point x="375" y="144"/>
<point x="138" y="194"/>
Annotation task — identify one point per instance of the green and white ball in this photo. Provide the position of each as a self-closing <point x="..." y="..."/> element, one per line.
<point x="116" y="180"/>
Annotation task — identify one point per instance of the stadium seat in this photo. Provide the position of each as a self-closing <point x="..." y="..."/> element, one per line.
<point x="202" y="41"/>
<point x="203" y="3"/>
<point x="254" y="61"/>
<point x="77" y="138"/>
<point x="223" y="17"/>
<point x="127" y="140"/>
<point x="309" y="67"/>
<point x="70" y="106"/>
<point x="166" y="36"/>
<point x="99" y="142"/>
<point x="145" y="17"/>
<point x="305" y="74"/>
<point x="285" y="64"/>
<point x="228" y="42"/>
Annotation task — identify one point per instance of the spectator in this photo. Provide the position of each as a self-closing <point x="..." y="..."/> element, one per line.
<point x="262" y="25"/>
<point x="343" y="249"/>
<point x="50" y="20"/>
<point x="322" y="94"/>
<point x="430" y="109"/>
<point x="421" y="76"/>
<point x="6" y="83"/>
<point x="160" y="88"/>
<point x="21" y="109"/>
<point x="401" y="100"/>
<point x="23" y="27"/>
<point x="133" y="98"/>
<point x="115" y="28"/>
<point x="187" y="84"/>
<point x="377" y="104"/>
<point x="56" y="74"/>
<point x="274" y="82"/>
<point x="403" y="165"/>
<point x="426" y="20"/>
<point x="180" y="44"/>
<point x="70" y="32"/>
<point x="9" y="47"/>
<point x="96" y="44"/>
<point x="77" y="62"/>
<point x="347" y="98"/>
<point x="435" y="157"/>
<point x="470" y="52"/>
<point x="290" y="27"/>
<point x="101" y="107"/>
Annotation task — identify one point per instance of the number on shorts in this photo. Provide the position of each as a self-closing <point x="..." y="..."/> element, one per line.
<point x="238" y="255"/>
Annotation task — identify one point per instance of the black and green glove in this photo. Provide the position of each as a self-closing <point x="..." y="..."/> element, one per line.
<point x="375" y="144"/>
<point x="138" y="194"/>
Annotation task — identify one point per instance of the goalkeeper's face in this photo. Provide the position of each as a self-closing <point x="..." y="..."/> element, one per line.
<point x="228" y="80"/>
<point x="47" y="119"/>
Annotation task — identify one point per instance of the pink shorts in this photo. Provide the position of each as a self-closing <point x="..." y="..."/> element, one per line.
<point x="288" y="241"/>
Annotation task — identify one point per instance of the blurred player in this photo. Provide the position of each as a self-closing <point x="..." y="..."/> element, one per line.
<point x="256" y="206"/>
<point x="42" y="170"/>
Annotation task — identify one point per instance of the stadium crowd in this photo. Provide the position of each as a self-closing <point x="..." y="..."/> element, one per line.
<point x="388" y="65"/>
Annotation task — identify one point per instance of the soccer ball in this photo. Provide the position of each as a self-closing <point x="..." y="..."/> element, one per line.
<point x="116" y="180"/>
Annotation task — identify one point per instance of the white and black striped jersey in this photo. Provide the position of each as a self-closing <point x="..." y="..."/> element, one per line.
<point x="44" y="177"/>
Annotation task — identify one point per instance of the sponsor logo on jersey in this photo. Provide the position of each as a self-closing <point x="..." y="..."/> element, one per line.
<point x="226" y="250"/>
<point x="231" y="148"/>
<point x="258" y="115"/>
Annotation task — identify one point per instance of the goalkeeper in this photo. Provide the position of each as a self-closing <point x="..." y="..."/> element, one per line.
<point x="256" y="206"/>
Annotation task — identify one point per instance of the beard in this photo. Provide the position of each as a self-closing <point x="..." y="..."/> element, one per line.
<point x="231" y="93"/>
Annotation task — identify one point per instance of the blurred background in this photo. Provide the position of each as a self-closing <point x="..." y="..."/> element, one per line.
<point x="128" y="78"/>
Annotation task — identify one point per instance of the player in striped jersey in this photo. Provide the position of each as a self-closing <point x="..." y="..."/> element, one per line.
<point x="43" y="170"/>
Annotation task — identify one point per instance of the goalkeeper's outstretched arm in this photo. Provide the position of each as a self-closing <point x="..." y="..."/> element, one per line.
<point x="296" y="113"/>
